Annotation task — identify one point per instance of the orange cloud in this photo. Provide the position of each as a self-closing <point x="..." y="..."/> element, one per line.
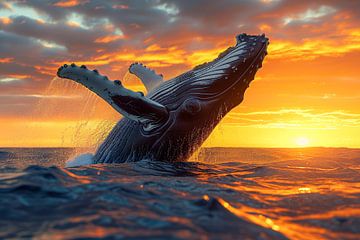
<point x="296" y="119"/>
<point x="154" y="47"/>
<point x="19" y="76"/>
<point x="108" y="39"/>
<point x="5" y="20"/>
<point x="120" y="6"/>
<point x="6" y="60"/>
<point x="68" y="3"/>
<point x="158" y="56"/>
<point x="313" y="48"/>
<point x="265" y="27"/>
<point x="46" y="70"/>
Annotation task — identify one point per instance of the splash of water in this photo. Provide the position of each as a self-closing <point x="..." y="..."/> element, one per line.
<point x="89" y="118"/>
<point x="69" y="102"/>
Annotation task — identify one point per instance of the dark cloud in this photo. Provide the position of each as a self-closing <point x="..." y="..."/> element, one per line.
<point x="24" y="50"/>
<point x="74" y="39"/>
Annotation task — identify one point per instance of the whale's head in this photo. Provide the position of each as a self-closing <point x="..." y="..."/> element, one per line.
<point x="226" y="78"/>
<point x="219" y="83"/>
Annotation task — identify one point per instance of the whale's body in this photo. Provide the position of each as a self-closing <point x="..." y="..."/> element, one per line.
<point x="177" y="115"/>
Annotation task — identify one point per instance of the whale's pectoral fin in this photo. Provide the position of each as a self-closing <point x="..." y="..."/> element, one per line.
<point x="133" y="105"/>
<point x="148" y="76"/>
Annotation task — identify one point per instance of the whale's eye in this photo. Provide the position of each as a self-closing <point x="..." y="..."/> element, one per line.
<point x="192" y="106"/>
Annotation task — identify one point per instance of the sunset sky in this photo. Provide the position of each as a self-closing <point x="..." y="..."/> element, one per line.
<point x="306" y="94"/>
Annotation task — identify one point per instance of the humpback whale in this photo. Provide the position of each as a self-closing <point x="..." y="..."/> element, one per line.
<point x="176" y="116"/>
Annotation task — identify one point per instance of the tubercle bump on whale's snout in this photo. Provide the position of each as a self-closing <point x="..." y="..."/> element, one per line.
<point x="243" y="37"/>
<point x="60" y="69"/>
<point x="253" y="42"/>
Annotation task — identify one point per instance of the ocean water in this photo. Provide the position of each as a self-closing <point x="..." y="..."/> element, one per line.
<point x="228" y="193"/>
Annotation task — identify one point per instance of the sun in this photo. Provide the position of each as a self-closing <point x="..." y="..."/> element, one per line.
<point x="302" y="141"/>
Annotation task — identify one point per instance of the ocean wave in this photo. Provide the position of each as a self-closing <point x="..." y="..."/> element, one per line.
<point x="313" y="198"/>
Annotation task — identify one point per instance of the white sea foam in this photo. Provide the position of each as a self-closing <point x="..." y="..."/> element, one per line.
<point x="81" y="160"/>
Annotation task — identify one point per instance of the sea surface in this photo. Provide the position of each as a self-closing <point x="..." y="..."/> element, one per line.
<point x="225" y="193"/>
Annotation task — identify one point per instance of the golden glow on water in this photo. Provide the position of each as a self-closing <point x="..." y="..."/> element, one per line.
<point x="271" y="224"/>
<point x="308" y="194"/>
<point x="277" y="218"/>
<point x="258" y="219"/>
<point x="206" y="197"/>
